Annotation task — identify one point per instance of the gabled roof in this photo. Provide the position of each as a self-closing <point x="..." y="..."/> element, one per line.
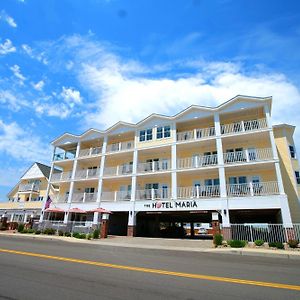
<point x="223" y="106"/>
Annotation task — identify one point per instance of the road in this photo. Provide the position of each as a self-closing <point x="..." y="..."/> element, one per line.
<point x="46" y="269"/>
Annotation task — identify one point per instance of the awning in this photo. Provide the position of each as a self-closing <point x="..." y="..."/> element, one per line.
<point x="54" y="210"/>
<point x="101" y="210"/>
<point x="77" y="210"/>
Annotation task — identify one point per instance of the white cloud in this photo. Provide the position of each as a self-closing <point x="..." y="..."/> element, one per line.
<point x="7" y="19"/>
<point x="40" y="56"/>
<point x="39" y="85"/>
<point x="12" y="101"/>
<point x="7" y="47"/>
<point x="22" y="144"/>
<point x="71" y="96"/>
<point x="17" y="72"/>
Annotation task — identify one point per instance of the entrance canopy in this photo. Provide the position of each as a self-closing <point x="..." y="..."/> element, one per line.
<point x="54" y="210"/>
<point x="101" y="210"/>
<point x="77" y="211"/>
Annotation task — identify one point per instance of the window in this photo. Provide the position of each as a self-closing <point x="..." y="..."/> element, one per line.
<point x="163" y="132"/>
<point x="142" y="135"/>
<point x="89" y="190"/>
<point x="292" y="151"/>
<point x="297" y="174"/>
<point x="149" y="134"/>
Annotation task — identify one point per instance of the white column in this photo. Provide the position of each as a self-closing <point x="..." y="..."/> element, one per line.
<point x="134" y="171"/>
<point x="48" y="187"/>
<point x="12" y="217"/>
<point x="285" y="212"/>
<point x="100" y="181"/>
<point x="222" y="178"/>
<point x="174" y="171"/>
<point x="25" y="217"/>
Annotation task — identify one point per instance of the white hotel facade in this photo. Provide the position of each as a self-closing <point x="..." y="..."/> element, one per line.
<point x="181" y="168"/>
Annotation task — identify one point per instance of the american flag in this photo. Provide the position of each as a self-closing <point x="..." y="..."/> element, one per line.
<point x="48" y="202"/>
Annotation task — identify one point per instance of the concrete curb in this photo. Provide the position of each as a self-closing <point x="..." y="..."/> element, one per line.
<point x="285" y="254"/>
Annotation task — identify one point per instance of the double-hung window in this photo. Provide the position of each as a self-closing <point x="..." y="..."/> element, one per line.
<point x="149" y="134"/>
<point x="163" y="132"/>
<point x="142" y="135"/>
<point x="297" y="174"/>
<point x="292" y="151"/>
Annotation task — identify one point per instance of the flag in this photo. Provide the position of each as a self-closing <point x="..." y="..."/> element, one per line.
<point x="48" y="202"/>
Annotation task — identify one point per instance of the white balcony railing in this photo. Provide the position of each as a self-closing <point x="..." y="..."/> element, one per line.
<point x="119" y="170"/>
<point x="154" y="166"/>
<point x="29" y="187"/>
<point x="116" y="196"/>
<point x="87" y="174"/>
<point x="244" y="126"/>
<point x="90" y="152"/>
<point x="63" y="176"/>
<point x="64" y="155"/>
<point x="253" y="189"/>
<point x="84" y="197"/>
<point x="122" y="146"/>
<point x="253" y="155"/>
<point x="197" y="161"/>
<point x="190" y="192"/>
<point x="153" y="194"/>
<point x="60" y="199"/>
<point x="195" y="134"/>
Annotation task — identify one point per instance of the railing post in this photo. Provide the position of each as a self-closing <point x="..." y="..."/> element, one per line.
<point x="117" y="171"/>
<point x="251" y="233"/>
<point x="195" y="134"/>
<point x="83" y="200"/>
<point x="152" y="194"/>
<point x="242" y="125"/>
<point x="197" y="191"/>
<point x="251" y="189"/>
<point x="247" y="155"/>
<point x="120" y="146"/>
<point x="115" y="196"/>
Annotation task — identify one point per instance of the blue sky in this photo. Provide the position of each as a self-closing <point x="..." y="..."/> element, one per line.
<point x="71" y="65"/>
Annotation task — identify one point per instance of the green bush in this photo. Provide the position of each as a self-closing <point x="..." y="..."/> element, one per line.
<point x="49" y="231"/>
<point x="37" y="232"/>
<point x="82" y="236"/>
<point x="20" y="227"/>
<point x="60" y="233"/>
<point x="89" y="236"/>
<point x="30" y="230"/>
<point x="272" y="244"/>
<point x="218" y="239"/>
<point x="293" y="243"/>
<point x="237" y="243"/>
<point x="96" y="234"/>
<point x="76" y="234"/>
<point x="68" y="234"/>
<point x="24" y="231"/>
<point x="279" y="245"/>
<point x="3" y="227"/>
<point x="259" y="242"/>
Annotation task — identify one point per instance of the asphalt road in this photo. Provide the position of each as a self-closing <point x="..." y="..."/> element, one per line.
<point x="34" y="277"/>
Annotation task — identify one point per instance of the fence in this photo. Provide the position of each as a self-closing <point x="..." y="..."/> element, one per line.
<point x="81" y="227"/>
<point x="265" y="232"/>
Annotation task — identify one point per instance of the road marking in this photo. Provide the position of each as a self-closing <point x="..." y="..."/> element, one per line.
<point x="156" y="271"/>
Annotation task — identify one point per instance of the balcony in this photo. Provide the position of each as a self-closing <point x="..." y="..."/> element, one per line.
<point x="253" y="189"/>
<point x="153" y="194"/>
<point x="195" y="134"/>
<point x="30" y="187"/>
<point x="89" y="152"/>
<point x="254" y="155"/>
<point x="195" y="192"/>
<point x="84" y="197"/>
<point x="154" y="166"/>
<point x="116" y="196"/>
<point x="119" y="170"/>
<point x="122" y="146"/>
<point x="63" y="176"/>
<point x="63" y="156"/>
<point x="87" y="174"/>
<point x="244" y="126"/>
<point x="61" y="199"/>
<point x="197" y="161"/>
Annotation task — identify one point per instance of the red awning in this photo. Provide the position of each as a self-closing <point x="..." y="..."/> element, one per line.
<point x="54" y="210"/>
<point x="77" y="210"/>
<point x="101" y="210"/>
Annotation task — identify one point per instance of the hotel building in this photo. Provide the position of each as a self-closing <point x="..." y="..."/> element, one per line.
<point x="227" y="160"/>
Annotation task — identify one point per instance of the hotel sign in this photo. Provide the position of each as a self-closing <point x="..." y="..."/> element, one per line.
<point x="171" y="205"/>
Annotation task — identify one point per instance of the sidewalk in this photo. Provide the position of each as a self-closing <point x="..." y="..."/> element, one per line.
<point x="200" y="246"/>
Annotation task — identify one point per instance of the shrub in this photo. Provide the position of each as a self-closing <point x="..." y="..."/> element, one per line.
<point x="293" y="243"/>
<point x="96" y="234"/>
<point x="37" y="232"/>
<point x="30" y="230"/>
<point x="89" y="236"/>
<point x="60" y="233"/>
<point x="218" y="239"/>
<point x="272" y="244"/>
<point x="259" y="242"/>
<point x="68" y="234"/>
<point x="76" y="234"/>
<point x="279" y="245"/>
<point x="24" y="230"/>
<point x="49" y="231"/>
<point x="237" y="243"/>
<point x="20" y="227"/>
<point x="3" y="227"/>
<point x="82" y="236"/>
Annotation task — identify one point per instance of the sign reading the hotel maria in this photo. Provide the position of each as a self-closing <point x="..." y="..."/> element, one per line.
<point x="172" y="205"/>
